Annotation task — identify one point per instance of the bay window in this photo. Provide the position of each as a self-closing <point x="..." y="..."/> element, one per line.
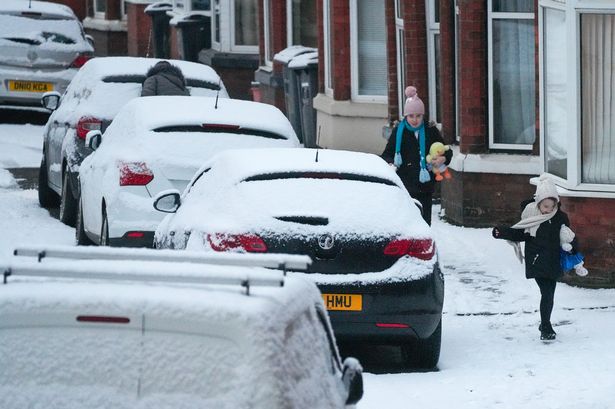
<point x="512" y="90"/>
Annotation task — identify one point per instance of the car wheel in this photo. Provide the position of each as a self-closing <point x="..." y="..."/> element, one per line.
<point x="104" y="230"/>
<point x="80" y="237"/>
<point x="46" y="197"/>
<point x="424" y="353"/>
<point x="68" y="202"/>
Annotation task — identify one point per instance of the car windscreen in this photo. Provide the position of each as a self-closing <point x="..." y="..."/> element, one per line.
<point x="36" y="28"/>
<point x="320" y="175"/>
<point x="220" y="128"/>
<point x="138" y="79"/>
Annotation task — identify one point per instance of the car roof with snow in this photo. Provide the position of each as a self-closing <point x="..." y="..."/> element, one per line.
<point x="36" y="7"/>
<point x="185" y="114"/>
<point x="240" y="164"/>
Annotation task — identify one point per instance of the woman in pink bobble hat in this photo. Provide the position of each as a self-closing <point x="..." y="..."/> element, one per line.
<point x="408" y="147"/>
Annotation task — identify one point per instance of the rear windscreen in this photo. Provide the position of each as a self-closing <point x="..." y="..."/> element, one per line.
<point x="320" y="175"/>
<point x="229" y="129"/>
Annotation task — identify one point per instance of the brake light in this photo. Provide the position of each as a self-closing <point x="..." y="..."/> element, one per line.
<point x="423" y="249"/>
<point x="103" y="319"/>
<point x="135" y="174"/>
<point x="391" y="325"/>
<point x="87" y="124"/>
<point x="220" y="127"/>
<point x="250" y="243"/>
<point x="134" y="235"/>
<point x="80" y="60"/>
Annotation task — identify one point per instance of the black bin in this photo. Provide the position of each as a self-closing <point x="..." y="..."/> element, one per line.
<point x="160" y="28"/>
<point x="195" y="33"/>
<point x="306" y="66"/>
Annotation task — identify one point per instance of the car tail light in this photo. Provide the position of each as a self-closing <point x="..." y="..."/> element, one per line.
<point x="220" y="127"/>
<point x="423" y="249"/>
<point x="250" y="243"/>
<point x="80" y="60"/>
<point x="134" y="235"/>
<point x="391" y="325"/>
<point x="134" y="174"/>
<point x="87" y="124"/>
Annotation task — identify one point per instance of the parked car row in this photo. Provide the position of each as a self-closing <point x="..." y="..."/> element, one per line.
<point x="230" y="174"/>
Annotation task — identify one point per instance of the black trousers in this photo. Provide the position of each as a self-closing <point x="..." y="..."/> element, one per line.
<point x="547" y="292"/>
<point x="426" y="200"/>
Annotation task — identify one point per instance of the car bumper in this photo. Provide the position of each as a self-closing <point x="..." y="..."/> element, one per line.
<point x="391" y="313"/>
<point x="58" y="78"/>
<point x="132" y="213"/>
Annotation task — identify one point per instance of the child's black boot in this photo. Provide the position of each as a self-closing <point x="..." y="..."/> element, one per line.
<point x="546" y="332"/>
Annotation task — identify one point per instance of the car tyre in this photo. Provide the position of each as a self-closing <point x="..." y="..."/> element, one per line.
<point x="46" y="196"/>
<point x="80" y="237"/>
<point x="68" y="202"/>
<point x="423" y="354"/>
<point x="104" y="230"/>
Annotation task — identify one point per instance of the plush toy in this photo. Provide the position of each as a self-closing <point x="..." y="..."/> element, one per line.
<point x="437" y="149"/>
<point x="567" y="259"/>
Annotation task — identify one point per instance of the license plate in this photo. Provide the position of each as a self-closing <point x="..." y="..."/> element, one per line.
<point x="30" y="86"/>
<point x="343" y="302"/>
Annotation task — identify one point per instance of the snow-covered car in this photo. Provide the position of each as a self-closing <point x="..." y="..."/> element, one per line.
<point x="105" y="329"/>
<point x="42" y="46"/>
<point x="92" y="100"/>
<point x="374" y="258"/>
<point x="156" y="144"/>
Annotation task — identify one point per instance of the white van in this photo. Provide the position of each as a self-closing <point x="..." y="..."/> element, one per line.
<point x="201" y="333"/>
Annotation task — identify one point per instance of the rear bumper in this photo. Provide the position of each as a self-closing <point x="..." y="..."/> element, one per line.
<point x="60" y="78"/>
<point x="415" y="303"/>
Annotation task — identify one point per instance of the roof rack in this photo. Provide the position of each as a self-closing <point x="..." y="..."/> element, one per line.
<point x="147" y="265"/>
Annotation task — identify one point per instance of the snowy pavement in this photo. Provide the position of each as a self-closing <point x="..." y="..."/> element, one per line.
<point x="491" y="353"/>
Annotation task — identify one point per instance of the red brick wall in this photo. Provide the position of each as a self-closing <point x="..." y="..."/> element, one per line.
<point x="114" y="10"/>
<point x="78" y="6"/>
<point x="473" y="76"/>
<point x="340" y="49"/>
<point x="592" y="221"/>
<point x="389" y="14"/>
<point x="484" y="199"/>
<point x="174" y="42"/>
<point x="447" y="70"/>
<point x="108" y="43"/>
<point x="415" y="30"/>
<point x="139" y="26"/>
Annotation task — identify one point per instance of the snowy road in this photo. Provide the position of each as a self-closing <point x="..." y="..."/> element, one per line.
<point x="491" y="354"/>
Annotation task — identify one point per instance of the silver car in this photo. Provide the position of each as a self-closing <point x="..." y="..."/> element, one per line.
<point x="42" y="46"/>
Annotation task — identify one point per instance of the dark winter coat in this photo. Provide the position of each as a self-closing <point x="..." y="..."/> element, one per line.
<point x="409" y="170"/>
<point x="542" y="253"/>
<point x="164" y="79"/>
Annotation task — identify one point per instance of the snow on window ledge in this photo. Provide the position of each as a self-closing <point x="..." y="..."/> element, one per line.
<point x="583" y="190"/>
<point x="504" y="163"/>
<point x="104" y="25"/>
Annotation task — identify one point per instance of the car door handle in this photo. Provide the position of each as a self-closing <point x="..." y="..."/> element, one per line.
<point x="67" y="124"/>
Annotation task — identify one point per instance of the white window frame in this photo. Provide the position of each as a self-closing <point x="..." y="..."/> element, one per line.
<point x="491" y="16"/>
<point x="400" y="45"/>
<point x="433" y="29"/>
<point x="98" y="14"/>
<point x="267" y="33"/>
<point x="326" y="18"/>
<point x="354" y="61"/>
<point x="187" y="8"/>
<point x="217" y="45"/>
<point x="573" y="12"/>
<point x="233" y="46"/>
<point x="456" y="13"/>
<point x="123" y="14"/>
<point x="289" y="23"/>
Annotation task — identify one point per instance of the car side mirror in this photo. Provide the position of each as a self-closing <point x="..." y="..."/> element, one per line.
<point x="90" y="39"/>
<point x="51" y="100"/>
<point x="93" y="139"/>
<point x="352" y="377"/>
<point x="167" y="201"/>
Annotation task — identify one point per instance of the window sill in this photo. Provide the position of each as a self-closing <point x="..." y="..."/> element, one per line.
<point x="502" y="163"/>
<point x="104" y="25"/>
<point x="347" y="108"/>
<point x="582" y="190"/>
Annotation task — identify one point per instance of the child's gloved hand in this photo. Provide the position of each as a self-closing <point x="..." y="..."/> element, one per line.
<point x="567" y="247"/>
<point x="496" y="233"/>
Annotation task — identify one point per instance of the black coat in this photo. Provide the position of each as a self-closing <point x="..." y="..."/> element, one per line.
<point x="164" y="79"/>
<point x="542" y="253"/>
<point x="409" y="170"/>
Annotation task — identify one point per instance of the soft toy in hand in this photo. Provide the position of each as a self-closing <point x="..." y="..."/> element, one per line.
<point x="567" y="259"/>
<point x="437" y="150"/>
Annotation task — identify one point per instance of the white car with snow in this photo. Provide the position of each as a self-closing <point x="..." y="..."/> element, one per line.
<point x="374" y="258"/>
<point x="94" y="97"/>
<point x="42" y="46"/>
<point x="128" y="329"/>
<point x="158" y="143"/>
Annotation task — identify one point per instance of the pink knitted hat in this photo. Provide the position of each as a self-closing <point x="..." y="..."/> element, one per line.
<point x="413" y="104"/>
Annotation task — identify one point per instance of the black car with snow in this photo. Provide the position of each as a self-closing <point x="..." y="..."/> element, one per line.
<point x="374" y="258"/>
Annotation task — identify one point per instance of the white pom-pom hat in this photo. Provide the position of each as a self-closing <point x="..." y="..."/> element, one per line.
<point x="545" y="189"/>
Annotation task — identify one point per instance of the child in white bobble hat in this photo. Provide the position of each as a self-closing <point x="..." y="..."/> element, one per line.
<point x="540" y="227"/>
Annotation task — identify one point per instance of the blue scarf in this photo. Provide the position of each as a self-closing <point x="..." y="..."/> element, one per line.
<point x="397" y="161"/>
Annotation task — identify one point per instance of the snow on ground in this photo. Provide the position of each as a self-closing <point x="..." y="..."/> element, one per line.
<point x="491" y="353"/>
<point x="20" y="145"/>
